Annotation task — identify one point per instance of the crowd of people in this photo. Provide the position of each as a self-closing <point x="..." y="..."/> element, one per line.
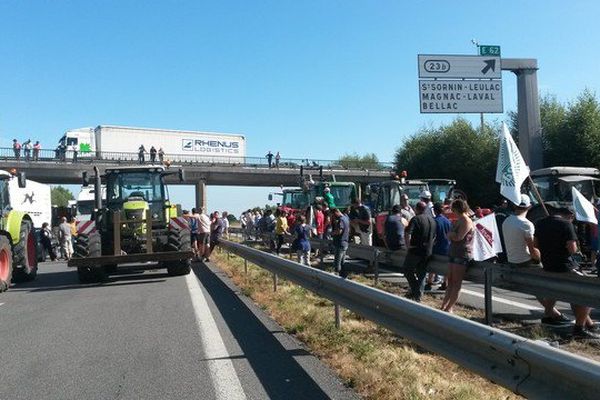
<point x="206" y="231"/>
<point x="444" y="228"/>
<point x="30" y="151"/>
<point x="153" y="153"/>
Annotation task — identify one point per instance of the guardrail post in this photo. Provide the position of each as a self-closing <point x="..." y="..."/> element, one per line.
<point x="338" y="316"/>
<point x="245" y="266"/>
<point x="376" y="266"/>
<point x="274" y="282"/>
<point x="488" y="274"/>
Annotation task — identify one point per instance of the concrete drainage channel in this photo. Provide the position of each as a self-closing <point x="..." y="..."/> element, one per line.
<point x="526" y="367"/>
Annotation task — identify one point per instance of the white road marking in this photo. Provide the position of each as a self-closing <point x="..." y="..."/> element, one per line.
<point x="1" y="304"/>
<point x="502" y="300"/>
<point x="224" y="378"/>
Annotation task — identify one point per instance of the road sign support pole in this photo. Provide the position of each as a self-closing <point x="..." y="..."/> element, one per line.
<point x="200" y="194"/>
<point x="529" y="120"/>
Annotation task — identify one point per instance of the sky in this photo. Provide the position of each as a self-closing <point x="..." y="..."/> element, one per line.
<point x="311" y="79"/>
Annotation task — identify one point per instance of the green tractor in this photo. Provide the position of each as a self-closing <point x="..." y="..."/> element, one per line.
<point x="18" y="255"/>
<point x="136" y="223"/>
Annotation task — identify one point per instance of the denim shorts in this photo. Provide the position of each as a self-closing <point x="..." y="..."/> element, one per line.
<point x="460" y="261"/>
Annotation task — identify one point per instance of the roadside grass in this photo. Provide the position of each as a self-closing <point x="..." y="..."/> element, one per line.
<point x="375" y="362"/>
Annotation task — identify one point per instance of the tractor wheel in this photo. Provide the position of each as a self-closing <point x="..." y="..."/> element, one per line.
<point x="179" y="240"/>
<point x="25" y="255"/>
<point x="5" y="263"/>
<point x="89" y="246"/>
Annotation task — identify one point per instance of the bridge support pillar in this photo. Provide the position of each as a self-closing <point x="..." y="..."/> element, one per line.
<point x="200" y="194"/>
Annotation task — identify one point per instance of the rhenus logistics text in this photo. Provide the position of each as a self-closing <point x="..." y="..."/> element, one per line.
<point x="211" y="146"/>
<point x="460" y="96"/>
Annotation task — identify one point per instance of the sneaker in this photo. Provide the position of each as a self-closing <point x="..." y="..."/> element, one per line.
<point x="583" y="334"/>
<point x="556" y="321"/>
<point x="443" y="286"/>
<point x="427" y="287"/>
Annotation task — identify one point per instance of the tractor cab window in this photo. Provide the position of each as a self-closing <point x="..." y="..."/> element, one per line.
<point x="295" y="200"/>
<point x="413" y="192"/>
<point x="554" y="188"/>
<point x="143" y="186"/>
<point x="4" y="200"/>
<point x="342" y="195"/>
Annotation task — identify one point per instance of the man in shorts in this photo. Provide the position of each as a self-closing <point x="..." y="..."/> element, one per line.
<point x="203" y="233"/>
<point x="556" y="239"/>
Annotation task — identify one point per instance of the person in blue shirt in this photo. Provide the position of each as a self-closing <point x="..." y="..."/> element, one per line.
<point x="442" y="243"/>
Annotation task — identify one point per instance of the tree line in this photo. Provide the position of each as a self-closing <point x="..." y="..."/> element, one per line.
<point x="468" y="154"/>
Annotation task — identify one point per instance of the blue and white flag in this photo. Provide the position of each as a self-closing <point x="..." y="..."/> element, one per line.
<point x="584" y="209"/>
<point x="511" y="171"/>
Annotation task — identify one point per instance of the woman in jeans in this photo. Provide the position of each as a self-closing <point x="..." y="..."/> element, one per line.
<point x="302" y="232"/>
<point x="460" y="252"/>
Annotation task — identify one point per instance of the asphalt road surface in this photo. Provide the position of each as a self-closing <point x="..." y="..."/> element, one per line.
<point x="144" y="335"/>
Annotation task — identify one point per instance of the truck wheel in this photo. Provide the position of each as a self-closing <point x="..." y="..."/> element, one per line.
<point x="179" y="240"/>
<point x="25" y="255"/>
<point x="5" y="263"/>
<point x="89" y="246"/>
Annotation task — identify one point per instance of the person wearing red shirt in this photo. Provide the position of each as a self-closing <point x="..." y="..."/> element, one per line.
<point x="319" y="221"/>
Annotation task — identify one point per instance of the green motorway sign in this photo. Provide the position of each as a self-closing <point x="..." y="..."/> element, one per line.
<point x="489" y="50"/>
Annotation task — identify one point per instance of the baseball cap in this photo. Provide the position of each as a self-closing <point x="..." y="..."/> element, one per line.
<point x="425" y="194"/>
<point x="525" y="201"/>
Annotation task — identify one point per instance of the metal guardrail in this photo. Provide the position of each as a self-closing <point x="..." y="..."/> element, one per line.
<point x="526" y="367"/>
<point x="47" y="155"/>
<point x="565" y="287"/>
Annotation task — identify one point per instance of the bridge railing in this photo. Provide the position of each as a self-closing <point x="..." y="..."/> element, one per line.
<point x="527" y="367"/>
<point x="113" y="157"/>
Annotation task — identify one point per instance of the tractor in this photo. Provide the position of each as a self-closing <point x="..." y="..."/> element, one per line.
<point x="18" y="251"/>
<point x="136" y="223"/>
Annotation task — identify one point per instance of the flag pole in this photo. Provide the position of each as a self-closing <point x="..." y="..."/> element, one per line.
<point x="537" y="194"/>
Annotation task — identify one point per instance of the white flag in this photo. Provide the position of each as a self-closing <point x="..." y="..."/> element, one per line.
<point x="584" y="210"/>
<point x="486" y="242"/>
<point x="511" y="171"/>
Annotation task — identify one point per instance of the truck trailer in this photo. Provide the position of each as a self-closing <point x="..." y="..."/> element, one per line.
<point x="122" y="143"/>
<point x="33" y="200"/>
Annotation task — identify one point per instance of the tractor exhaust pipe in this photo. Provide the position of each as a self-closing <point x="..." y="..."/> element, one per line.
<point x="97" y="189"/>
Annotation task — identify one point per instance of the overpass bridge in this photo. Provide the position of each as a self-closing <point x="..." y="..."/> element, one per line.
<point x="246" y="171"/>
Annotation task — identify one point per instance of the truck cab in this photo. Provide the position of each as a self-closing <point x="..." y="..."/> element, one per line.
<point x="81" y="139"/>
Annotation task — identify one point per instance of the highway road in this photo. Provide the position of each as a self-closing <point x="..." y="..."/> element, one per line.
<point x="144" y="335"/>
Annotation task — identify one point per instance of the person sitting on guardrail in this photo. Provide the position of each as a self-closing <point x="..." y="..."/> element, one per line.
<point x="360" y="219"/>
<point x="419" y="238"/>
<point x="301" y="241"/>
<point x="460" y="253"/>
<point x="518" y="236"/>
<point x="394" y="227"/>
<point x="556" y="239"/>
<point x="216" y="232"/>
<point x="340" y="234"/>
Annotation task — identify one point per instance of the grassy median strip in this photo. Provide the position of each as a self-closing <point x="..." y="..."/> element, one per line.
<point x="371" y="359"/>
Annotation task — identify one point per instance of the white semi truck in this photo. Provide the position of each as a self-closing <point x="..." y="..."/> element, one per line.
<point x="85" y="202"/>
<point x="123" y="142"/>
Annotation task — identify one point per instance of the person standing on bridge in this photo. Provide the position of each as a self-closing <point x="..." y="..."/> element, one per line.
<point x="277" y="158"/>
<point x="269" y="157"/>
<point x="161" y="155"/>
<point x="152" y="155"/>
<point x="141" y="154"/>
<point x="17" y="149"/>
<point x="36" y="150"/>
<point x="27" y="146"/>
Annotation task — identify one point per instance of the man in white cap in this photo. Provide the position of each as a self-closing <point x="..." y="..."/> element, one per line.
<point x="329" y="197"/>
<point x="426" y="198"/>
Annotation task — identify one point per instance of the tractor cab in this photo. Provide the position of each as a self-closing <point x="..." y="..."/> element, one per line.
<point x="134" y="191"/>
<point x="555" y="183"/>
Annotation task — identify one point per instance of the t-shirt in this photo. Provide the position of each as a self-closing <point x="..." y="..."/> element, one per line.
<point x="422" y="234"/>
<point x="553" y="233"/>
<point x="329" y="199"/>
<point x="343" y="225"/>
<point x="394" y="232"/>
<point x="515" y="230"/>
<point x="204" y="223"/>
<point x="281" y="225"/>
<point x="303" y="235"/>
<point x="442" y="243"/>
<point x="362" y="213"/>
<point x="320" y="222"/>
<point x="194" y="222"/>
<point x="64" y="232"/>
<point x="407" y="213"/>
<point x="217" y="229"/>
